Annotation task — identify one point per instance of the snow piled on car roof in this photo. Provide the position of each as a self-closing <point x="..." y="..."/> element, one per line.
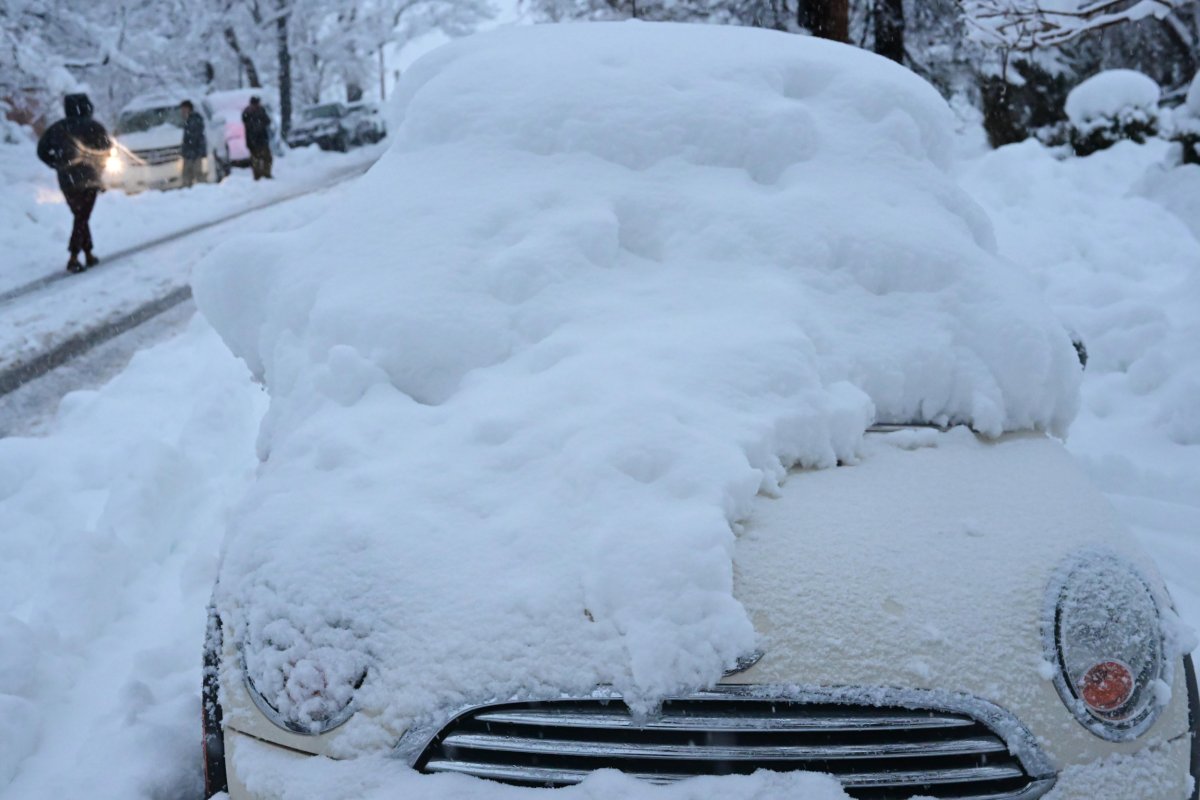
<point x="609" y="283"/>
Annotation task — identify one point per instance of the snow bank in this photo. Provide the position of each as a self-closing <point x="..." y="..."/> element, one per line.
<point x="1112" y="94"/>
<point x="1185" y="118"/>
<point x="609" y="282"/>
<point x="1133" y="299"/>
<point x="109" y="527"/>
<point x="30" y="202"/>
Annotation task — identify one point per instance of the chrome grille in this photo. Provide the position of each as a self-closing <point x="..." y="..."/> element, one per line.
<point x="159" y="155"/>
<point x="877" y="752"/>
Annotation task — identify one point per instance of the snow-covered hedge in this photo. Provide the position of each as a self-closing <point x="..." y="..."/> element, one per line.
<point x="1111" y="106"/>
<point x="1185" y="128"/>
<point x="609" y="283"/>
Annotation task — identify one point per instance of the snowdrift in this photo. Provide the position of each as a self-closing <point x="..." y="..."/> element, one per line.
<point x="609" y="282"/>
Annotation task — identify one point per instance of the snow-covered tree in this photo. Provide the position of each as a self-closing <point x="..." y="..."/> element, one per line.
<point x="1023" y="25"/>
<point x="828" y="18"/>
<point x="116" y="49"/>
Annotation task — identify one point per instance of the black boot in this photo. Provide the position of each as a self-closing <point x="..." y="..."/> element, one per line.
<point x="74" y="266"/>
<point x="90" y="259"/>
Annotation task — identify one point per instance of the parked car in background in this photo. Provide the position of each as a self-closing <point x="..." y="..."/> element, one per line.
<point x="367" y="125"/>
<point x="329" y="126"/>
<point x="228" y="106"/>
<point x="148" y="141"/>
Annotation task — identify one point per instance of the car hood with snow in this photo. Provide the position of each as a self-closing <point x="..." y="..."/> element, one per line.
<point x="165" y="135"/>
<point x="627" y="277"/>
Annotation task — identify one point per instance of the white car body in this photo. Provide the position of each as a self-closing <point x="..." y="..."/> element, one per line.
<point x="227" y="108"/>
<point x="675" y="414"/>
<point x="369" y="126"/>
<point x="891" y="625"/>
<point x="150" y="158"/>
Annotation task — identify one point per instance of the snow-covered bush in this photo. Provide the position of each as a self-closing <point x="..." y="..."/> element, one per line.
<point x="1026" y="100"/>
<point x="1111" y="106"/>
<point x="1185" y="128"/>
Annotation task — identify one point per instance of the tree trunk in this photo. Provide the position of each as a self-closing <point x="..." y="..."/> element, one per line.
<point x="829" y="19"/>
<point x="1185" y="45"/>
<point x="889" y="29"/>
<point x="285" y="67"/>
<point x="382" y="76"/>
<point x="244" y="60"/>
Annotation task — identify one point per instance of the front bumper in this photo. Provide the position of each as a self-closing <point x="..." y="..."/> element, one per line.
<point x="264" y="762"/>
<point x="260" y="770"/>
<point x="324" y="138"/>
<point x="134" y="178"/>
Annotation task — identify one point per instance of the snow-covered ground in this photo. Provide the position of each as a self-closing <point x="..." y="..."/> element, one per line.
<point x="38" y="223"/>
<point x="111" y="522"/>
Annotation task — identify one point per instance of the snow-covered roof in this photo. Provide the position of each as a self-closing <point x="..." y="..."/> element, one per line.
<point x="238" y="99"/>
<point x="609" y="282"/>
<point x="1107" y="93"/>
<point x="163" y="99"/>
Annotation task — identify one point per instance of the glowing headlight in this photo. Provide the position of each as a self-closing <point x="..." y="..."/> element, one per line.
<point x="113" y="165"/>
<point x="1105" y="639"/>
<point x="312" y="696"/>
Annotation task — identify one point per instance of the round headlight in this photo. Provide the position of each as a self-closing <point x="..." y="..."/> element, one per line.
<point x="1105" y="638"/>
<point x="311" y="696"/>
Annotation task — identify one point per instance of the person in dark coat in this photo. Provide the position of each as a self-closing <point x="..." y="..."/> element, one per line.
<point x="258" y="138"/>
<point x="77" y="147"/>
<point x="195" y="144"/>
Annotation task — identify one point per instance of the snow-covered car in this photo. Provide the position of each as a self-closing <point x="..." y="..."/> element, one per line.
<point x="148" y="144"/>
<point x="675" y="416"/>
<point x="368" y="123"/>
<point x="228" y="106"/>
<point x="327" y="125"/>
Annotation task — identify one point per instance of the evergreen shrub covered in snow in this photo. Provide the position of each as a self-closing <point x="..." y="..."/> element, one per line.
<point x="1185" y="128"/>
<point x="1112" y="106"/>
<point x="1028" y="100"/>
<point x="609" y="283"/>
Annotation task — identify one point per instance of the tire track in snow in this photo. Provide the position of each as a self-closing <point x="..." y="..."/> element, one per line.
<point x="45" y="281"/>
<point x="71" y="348"/>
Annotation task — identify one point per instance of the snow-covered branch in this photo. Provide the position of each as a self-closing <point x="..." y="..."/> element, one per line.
<point x="1024" y="25"/>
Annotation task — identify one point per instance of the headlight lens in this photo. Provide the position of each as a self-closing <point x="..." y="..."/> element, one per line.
<point x="113" y="164"/>
<point x="310" y="696"/>
<point x="1106" y="642"/>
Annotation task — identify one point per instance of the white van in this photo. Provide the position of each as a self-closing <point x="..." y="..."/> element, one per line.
<point x="148" y="142"/>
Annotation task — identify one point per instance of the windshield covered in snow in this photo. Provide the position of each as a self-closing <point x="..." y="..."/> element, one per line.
<point x="144" y="119"/>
